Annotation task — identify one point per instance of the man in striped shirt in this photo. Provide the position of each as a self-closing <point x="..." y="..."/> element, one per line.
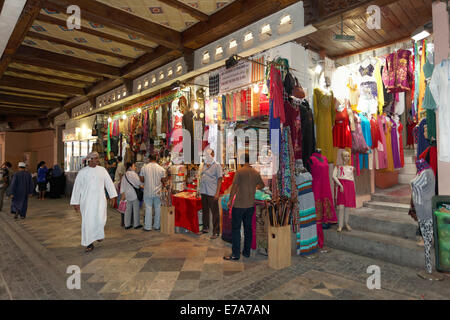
<point x="153" y="176"/>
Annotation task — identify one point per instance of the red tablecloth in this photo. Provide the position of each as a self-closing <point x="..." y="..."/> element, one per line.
<point x="186" y="212"/>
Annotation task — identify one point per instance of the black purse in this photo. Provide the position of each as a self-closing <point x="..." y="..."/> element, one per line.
<point x="139" y="191"/>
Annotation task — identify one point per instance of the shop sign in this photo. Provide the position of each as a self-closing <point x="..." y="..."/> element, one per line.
<point x="236" y="77"/>
<point x="70" y="135"/>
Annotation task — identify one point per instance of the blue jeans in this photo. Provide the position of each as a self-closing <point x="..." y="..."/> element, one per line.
<point x="239" y="216"/>
<point x="149" y="203"/>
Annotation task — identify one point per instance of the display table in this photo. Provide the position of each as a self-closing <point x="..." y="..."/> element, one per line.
<point x="187" y="206"/>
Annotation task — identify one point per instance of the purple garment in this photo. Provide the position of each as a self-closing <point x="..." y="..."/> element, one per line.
<point x="395" y="149"/>
<point x="372" y="86"/>
<point x="422" y="142"/>
<point x="294" y="121"/>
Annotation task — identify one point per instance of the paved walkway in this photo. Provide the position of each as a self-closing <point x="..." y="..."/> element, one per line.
<point x="132" y="264"/>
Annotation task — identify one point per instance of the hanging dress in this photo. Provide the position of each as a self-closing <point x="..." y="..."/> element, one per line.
<point x="395" y="145"/>
<point x="390" y="158"/>
<point x="324" y="119"/>
<point x="294" y="121"/>
<point x="400" y="144"/>
<point x="305" y="220"/>
<point x="382" y="149"/>
<point x="342" y="137"/>
<point x="429" y="104"/>
<point x="308" y="133"/>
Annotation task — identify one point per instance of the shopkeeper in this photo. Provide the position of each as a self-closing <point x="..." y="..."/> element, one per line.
<point x="210" y="184"/>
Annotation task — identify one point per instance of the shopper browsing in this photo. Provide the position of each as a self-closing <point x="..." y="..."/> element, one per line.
<point x="153" y="176"/>
<point x="245" y="183"/>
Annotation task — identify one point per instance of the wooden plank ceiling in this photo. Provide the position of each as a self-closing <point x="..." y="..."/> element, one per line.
<point x="47" y="68"/>
<point x="399" y="19"/>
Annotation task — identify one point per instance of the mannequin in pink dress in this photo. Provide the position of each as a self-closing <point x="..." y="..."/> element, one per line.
<point x="325" y="210"/>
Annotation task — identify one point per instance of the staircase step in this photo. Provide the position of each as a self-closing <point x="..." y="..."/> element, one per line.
<point x="405" y="178"/>
<point x="409" y="168"/>
<point x="380" y="197"/>
<point x="387" y="206"/>
<point x="378" y="246"/>
<point x="392" y="223"/>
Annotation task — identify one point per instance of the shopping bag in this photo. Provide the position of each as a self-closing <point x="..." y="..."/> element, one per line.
<point x="226" y="220"/>
<point x="122" y="206"/>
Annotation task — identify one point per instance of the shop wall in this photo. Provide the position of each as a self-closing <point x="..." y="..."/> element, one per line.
<point x="2" y="148"/>
<point x="442" y="51"/>
<point x="42" y="143"/>
<point x="39" y="143"/>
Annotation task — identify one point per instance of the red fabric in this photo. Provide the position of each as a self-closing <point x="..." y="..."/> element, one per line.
<point x="319" y="235"/>
<point x="342" y="137"/>
<point x="400" y="142"/>
<point x="375" y="132"/>
<point x="227" y="181"/>
<point x="348" y="197"/>
<point x="276" y="94"/>
<point x="263" y="104"/>
<point x="186" y="212"/>
<point x="410" y="131"/>
<point x="430" y="154"/>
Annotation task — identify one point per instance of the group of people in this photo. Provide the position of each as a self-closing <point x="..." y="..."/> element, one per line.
<point x="89" y="198"/>
<point x="20" y="185"/>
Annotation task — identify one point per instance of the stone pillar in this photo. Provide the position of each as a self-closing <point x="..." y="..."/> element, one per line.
<point x="441" y="48"/>
<point x="58" y="146"/>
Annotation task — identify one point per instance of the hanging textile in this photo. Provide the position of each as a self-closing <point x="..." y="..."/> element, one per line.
<point x="308" y="132"/>
<point x="108" y="148"/>
<point x="342" y="137"/>
<point x="305" y="219"/>
<point x="390" y="157"/>
<point x="397" y="74"/>
<point x="255" y="102"/>
<point x="293" y="121"/>
<point x="365" y="128"/>
<point x="276" y="94"/>
<point x="422" y="142"/>
<point x="380" y="92"/>
<point x="416" y="78"/>
<point x="353" y="94"/>
<point x="439" y="86"/>
<point x="400" y="144"/>
<point x="214" y="85"/>
<point x="324" y="115"/>
<point x="395" y="145"/>
<point x="381" y="152"/>
<point x="422" y="82"/>
<point x="164" y="118"/>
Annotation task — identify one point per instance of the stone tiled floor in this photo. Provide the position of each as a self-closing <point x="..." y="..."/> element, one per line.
<point x="132" y="264"/>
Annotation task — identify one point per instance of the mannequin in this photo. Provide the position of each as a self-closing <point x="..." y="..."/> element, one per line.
<point x="343" y="176"/>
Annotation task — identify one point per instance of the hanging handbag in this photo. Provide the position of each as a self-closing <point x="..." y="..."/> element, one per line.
<point x="298" y="91"/>
<point x="139" y="191"/>
<point x="95" y="128"/>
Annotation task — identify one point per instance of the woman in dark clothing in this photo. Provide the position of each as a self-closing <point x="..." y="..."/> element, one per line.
<point x="57" y="182"/>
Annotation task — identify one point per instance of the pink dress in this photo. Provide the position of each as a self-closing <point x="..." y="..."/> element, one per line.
<point x="382" y="155"/>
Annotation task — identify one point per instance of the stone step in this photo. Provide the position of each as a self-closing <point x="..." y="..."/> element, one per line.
<point x="395" y="250"/>
<point x="409" y="168"/>
<point x="392" y="223"/>
<point x="405" y="178"/>
<point x="381" y="197"/>
<point x="387" y="206"/>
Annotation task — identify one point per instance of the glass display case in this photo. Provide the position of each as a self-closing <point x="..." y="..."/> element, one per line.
<point x="75" y="153"/>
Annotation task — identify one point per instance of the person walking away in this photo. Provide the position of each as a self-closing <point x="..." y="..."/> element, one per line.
<point x="153" y="176"/>
<point x="42" y="180"/>
<point x="88" y="197"/>
<point x="210" y="183"/>
<point x="245" y="183"/>
<point x="21" y="188"/>
<point x="112" y="165"/>
<point x="56" y="182"/>
<point x="129" y="182"/>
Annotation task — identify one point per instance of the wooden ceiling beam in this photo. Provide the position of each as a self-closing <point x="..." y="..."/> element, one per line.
<point x="26" y="19"/>
<point x="55" y="21"/>
<point x="40" y="36"/>
<point x="121" y="20"/>
<point x="48" y="76"/>
<point x="235" y="16"/>
<point x="48" y="59"/>
<point x="43" y="86"/>
<point x="29" y="101"/>
<point x="39" y="95"/>
<point x="22" y="108"/>
<point x="194" y="13"/>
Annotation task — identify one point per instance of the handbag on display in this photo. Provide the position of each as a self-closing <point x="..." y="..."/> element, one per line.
<point x="298" y="91"/>
<point x="95" y="128"/>
<point x="139" y="191"/>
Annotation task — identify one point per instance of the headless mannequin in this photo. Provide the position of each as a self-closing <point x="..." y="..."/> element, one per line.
<point x="344" y="212"/>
